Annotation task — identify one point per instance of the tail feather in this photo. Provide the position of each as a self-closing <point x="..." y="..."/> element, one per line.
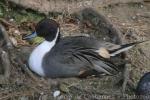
<point x="124" y="47"/>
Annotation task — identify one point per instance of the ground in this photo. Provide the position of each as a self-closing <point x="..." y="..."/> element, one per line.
<point x="133" y="19"/>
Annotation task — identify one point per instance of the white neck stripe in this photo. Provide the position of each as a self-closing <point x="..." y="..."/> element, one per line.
<point x="36" y="57"/>
<point x="56" y="35"/>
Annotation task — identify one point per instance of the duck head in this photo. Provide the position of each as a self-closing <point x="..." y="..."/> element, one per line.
<point x="46" y="28"/>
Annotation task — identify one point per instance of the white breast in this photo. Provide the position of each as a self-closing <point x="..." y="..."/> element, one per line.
<point x="36" y="57"/>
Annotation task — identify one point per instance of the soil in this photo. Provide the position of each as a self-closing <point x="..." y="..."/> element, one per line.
<point x="133" y="19"/>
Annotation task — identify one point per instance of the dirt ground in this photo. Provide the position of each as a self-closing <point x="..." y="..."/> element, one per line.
<point x="133" y="19"/>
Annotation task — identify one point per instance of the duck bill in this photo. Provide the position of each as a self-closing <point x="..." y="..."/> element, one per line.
<point x="29" y="36"/>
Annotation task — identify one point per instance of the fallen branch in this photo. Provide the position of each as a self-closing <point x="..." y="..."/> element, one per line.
<point x="6" y="23"/>
<point x="47" y="6"/>
<point x="5" y="37"/>
<point x="4" y="56"/>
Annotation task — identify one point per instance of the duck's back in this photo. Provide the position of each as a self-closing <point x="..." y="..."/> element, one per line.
<point x="71" y="56"/>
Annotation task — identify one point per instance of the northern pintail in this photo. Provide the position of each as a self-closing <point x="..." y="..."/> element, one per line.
<point x="71" y="56"/>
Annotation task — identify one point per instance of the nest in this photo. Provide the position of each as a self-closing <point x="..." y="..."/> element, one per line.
<point x="19" y="82"/>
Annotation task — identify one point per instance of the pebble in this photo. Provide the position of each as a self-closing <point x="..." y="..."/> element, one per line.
<point x="134" y="17"/>
<point x="11" y="20"/>
<point x="56" y="93"/>
<point x="142" y="6"/>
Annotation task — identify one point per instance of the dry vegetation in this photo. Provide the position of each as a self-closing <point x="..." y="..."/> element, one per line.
<point x="133" y="19"/>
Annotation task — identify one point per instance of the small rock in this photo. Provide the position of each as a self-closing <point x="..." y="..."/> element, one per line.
<point x="141" y="6"/>
<point x="11" y="20"/>
<point x="134" y="17"/>
<point x="56" y="93"/>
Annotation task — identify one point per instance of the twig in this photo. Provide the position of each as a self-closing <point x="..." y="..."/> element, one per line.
<point x="4" y="55"/>
<point x="6" y="37"/>
<point x="125" y="77"/>
<point x="6" y="22"/>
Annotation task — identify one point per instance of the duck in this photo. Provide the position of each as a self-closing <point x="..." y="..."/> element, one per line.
<point x="143" y="87"/>
<point x="71" y="56"/>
